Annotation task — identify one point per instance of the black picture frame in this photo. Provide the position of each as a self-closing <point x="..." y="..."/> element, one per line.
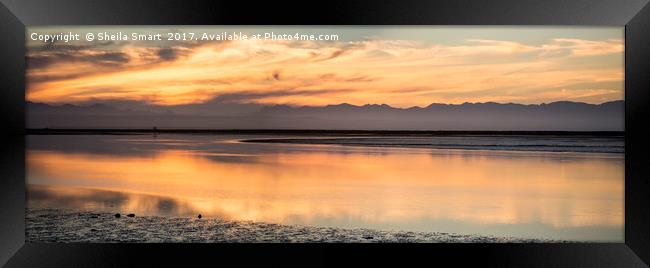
<point x="15" y="15"/>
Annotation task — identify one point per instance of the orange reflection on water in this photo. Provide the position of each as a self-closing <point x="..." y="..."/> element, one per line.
<point x="422" y="190"/>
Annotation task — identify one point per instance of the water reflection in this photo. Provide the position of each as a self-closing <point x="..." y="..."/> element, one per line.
<point x="525" y="194"/>
<point x="48" y="196"/>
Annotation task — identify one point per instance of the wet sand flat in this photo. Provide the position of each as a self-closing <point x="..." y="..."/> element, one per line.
<point x="562" y="193"/>
<point x="77" y="226"/>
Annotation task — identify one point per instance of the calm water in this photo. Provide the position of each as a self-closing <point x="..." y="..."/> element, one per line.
<point x="532" y="194"/>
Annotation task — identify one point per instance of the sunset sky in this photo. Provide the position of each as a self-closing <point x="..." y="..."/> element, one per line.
<point x="399" y="66"/>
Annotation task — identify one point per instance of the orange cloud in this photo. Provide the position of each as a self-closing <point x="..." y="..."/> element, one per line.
<point x="402" y="73"/>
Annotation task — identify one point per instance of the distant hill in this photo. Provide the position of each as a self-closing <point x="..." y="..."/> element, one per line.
<point x="562" y="115"/>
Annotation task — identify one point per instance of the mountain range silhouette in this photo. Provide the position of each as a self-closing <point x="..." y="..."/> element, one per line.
<point x="554" y="116"/>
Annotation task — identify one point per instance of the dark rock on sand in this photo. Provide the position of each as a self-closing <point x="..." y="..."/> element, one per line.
<point x="131" y="215"/>
<point x="200" y="216"/>
<point x="117" y="215"/>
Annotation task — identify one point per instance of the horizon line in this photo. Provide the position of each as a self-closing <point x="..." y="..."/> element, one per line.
<point x="154" y="130"/>
<point x="107" y="102"/>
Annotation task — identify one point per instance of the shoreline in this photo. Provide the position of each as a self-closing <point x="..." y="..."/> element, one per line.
<point x="463" y="147"/>
<point x="48" y="225"/>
